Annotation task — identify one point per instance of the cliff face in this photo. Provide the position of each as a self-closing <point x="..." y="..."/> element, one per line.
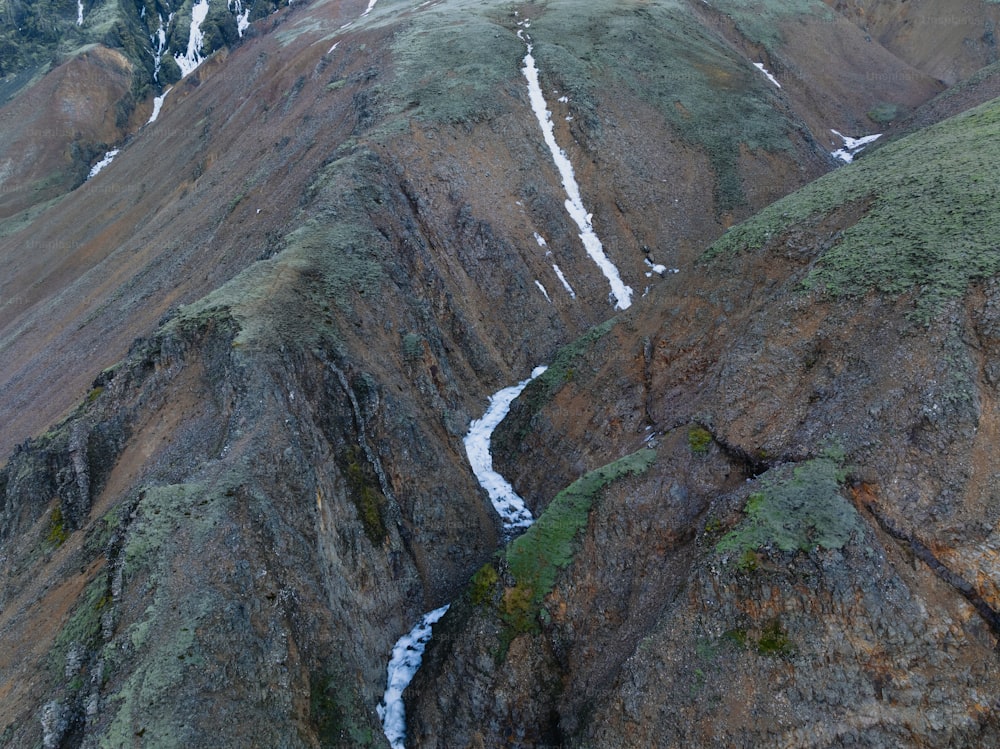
<point x="288" y="294"/>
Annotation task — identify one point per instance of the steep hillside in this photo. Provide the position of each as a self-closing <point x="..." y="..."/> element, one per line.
<point x="808" y="555"/>
<point x="238" y="361"/>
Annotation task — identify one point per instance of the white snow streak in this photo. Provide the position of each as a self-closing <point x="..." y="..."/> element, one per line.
<point x="565" y="283"/>
<point x="192" y="58"/>
<point x="96" y="168"/>
<point x="771" y="78"/>
<point x="242" y="16"/>
<point x="405" y="661"/>
<point x="79" y="12"/>
<point x="371" y="5"/>
<point x="158" y="105"/>
<point x="852" y="145"/>
<point x="574" y="203"/>
<point x="542" y="289"/>
<point x="540" y="239"/>
<point x="509" y="506"/>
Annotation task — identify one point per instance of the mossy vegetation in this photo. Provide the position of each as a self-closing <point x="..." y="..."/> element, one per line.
<point x="483" y="585"/>
<point x="364" y="492"/>
<point x="469" y="42"/>
<point x="549" y="545"/>
<point x="699" y="439"/>
<point x="662" y="54"/>
<point x="774" y="640"/>
<point x="760" y="21"/>
<point x="931" y="223"/>
<point x="83" y="628"/>
<point x="796" y="512"/>
<point x="57" y="533"/>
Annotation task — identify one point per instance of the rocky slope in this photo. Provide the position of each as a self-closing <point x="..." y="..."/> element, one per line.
<point x="808" y="557"/>
<point x="286" y="297"/>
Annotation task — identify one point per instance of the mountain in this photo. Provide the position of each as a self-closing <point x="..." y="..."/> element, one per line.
<point x="255" y="298"/>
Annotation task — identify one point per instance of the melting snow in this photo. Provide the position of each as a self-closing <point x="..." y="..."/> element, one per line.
<point x="193" y="58"/>
<point x="406" y="657"/>
<point x="762" y="69"/>
<point x="96" y="168"/>
<point x="540" y="239"/>
<point x="542" y="289"/>
<point x="509" y="506"/>
<point x="157" y="105"/>
<point x="657" y="268"/>
<point x="565" y="283"/>
<point x="621" y="293"/>
<point x="852" y="145"/>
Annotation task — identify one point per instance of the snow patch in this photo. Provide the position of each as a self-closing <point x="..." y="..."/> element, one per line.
<point x="79" y="12"/>
<point x="540" y="239"/>
<point x="509" y="506"/>
<point x="762" y="69"/>
<point x="852" y="145"/>
<point x="565" y="283"/>
<point x="542" y="289"/>
<point x="158" y="105"/>
<point x="371" y="5"/>
<point x="621" y="293"/>
<point x="657" y="268"/>
<point x="406" y="657"/>
<point x="192" y="58"/>
<point x="99" y="166"/>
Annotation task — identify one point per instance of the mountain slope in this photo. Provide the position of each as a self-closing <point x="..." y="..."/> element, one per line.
<point x="287" y="296"/>
<point x="808" y="558"/>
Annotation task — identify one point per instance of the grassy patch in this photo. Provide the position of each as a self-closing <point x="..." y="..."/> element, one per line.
<point x="662" y="54"/>
<point x="549" y="545"/>
<point x="932" y="225"/>
<point x="796" y="512"/>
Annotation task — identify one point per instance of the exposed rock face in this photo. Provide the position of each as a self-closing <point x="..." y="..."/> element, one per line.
<point x="766" y="516"/>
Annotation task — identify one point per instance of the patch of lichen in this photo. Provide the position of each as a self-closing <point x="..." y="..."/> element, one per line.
<point x="794" y="511"/>
<point x="931" y="226"/>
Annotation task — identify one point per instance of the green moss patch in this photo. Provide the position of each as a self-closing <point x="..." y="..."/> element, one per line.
<point x="796" y="512"/>
<point x="932" y="222"/>
<point x="549" y="545"/>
